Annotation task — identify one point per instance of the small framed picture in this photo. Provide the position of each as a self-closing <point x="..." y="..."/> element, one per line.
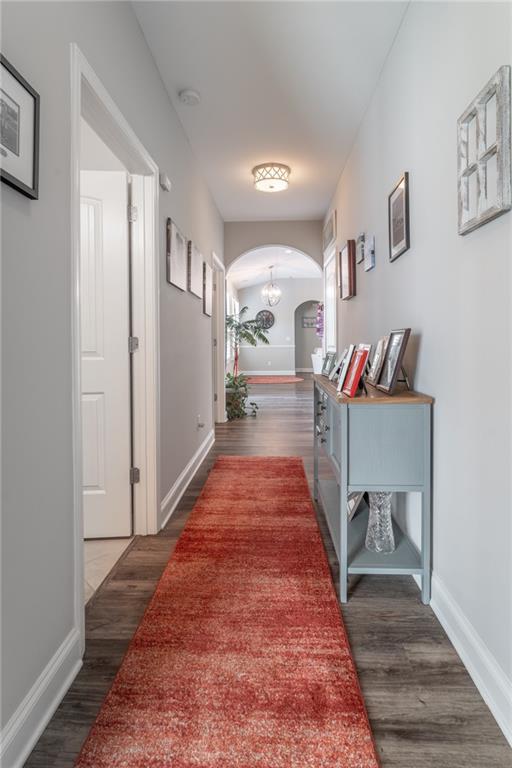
<point x="329" y="233"/>
<point x="207" y="289"/>
<point x="393" y="359"/>
<point x="378" y="361"/>
<point x="356" y="370"/>
<point x="348" y="270"/>
<point x="369" y="253"/>
<point x="347" y="357"/>
<point x="195" y="270"/>
<point x="360" y="249"/>
<point x="19" y="132"/>
<point x="398" y="218"/>
<point x="176" y="254"/>
<point x="329" y="361"/>
<point x="335" y="369"/>
<point x="309" y="322"/>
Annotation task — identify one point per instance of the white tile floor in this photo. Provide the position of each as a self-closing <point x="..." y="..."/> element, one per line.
<point x="100" y="556"/>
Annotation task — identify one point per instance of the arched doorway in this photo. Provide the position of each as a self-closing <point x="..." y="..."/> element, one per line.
<point x="306" y="339"/>
<point x="300" y="279"/>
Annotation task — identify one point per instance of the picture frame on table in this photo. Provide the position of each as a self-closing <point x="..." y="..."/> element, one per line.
<point x="176" y="256"/>
<point x="398" y="218"/>
<point x="329" y="360"/>
<point x="19" y="132"/>
<point x="378" y="361"/>
<point x="207" y="289"/>
<point x="393" y="358"/>
<point x="347" y="357"/>
<point x="348" y="270"/>
<point x="356" y="369"/>
<point x="195" y="270"/>
<point x="335" y="368"/>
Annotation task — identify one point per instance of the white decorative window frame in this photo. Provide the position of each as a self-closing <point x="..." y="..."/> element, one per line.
<point x="478" y="203"/>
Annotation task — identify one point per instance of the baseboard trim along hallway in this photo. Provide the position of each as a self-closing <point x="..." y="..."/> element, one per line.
<point x="491" y="681"/>
<point x="173" y="496"/>
<point x="24" y="728"/>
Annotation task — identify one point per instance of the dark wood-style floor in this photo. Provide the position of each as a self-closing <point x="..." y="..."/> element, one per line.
<point x="424" y="709"/>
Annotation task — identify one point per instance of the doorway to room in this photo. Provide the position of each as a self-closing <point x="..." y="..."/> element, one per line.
<point x="307" y="340"/>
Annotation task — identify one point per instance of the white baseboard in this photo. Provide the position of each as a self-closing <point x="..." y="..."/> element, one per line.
<point x="304" y="370"/>
<point x="268" y="372"/>
<point x="172" y="498"/>
<point x="25" y="726"/>
<point x="490" y="679"/>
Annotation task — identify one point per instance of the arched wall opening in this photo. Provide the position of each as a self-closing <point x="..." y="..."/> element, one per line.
<point x="300" y="279"/>
<point x="306" y="339"/>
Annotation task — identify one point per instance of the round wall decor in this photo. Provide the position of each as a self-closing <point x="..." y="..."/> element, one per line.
<point x="265" y="318"/>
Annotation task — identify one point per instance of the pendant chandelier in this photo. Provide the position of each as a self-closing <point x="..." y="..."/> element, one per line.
<point x="271" y="293"/>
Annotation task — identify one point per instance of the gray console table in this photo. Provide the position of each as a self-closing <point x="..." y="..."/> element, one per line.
<point x="374" y="442"/>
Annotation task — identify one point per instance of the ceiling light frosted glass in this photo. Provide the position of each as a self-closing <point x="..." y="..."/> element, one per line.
<point x="271" y="177"/>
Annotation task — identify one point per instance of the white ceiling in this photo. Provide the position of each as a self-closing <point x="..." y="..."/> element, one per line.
<point x="279" y="81"/>
<point x="252" y="267"/>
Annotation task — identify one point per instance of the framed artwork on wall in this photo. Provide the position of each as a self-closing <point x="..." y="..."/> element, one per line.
<point x="369" y="253"/>
<point x="398" y="218"/>
<point x="195" y="270"/>
<point x="308" y="322"/>
<point x="483" y="154"/>
<point x="207" y="289"/>
<point x="19" y="132"/>
<point x="329" y="233"/>
<point x="360" y="248"/>
<point x="393" y="358"/>
<point x="348" y="270"/>
<point x="176" y="255"/>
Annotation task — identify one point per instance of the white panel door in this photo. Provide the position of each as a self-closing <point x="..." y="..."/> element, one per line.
<point x="105" y="327"/>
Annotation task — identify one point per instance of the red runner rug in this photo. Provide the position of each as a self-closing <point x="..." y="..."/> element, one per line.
<point x="241" y="659"/>
<point x="273" y="379"/>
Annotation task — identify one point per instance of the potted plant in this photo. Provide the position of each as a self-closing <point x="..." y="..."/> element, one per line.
<point x="237" y="389"/>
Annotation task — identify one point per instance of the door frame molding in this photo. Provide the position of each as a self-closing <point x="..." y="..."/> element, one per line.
<point x="219" y="333"/>
<point x="90" y="99"/>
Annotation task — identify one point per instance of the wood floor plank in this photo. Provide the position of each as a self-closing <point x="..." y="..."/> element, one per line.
<point x="424" y="708"/>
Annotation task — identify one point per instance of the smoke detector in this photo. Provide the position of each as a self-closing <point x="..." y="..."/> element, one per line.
<point x="189" y="97"/>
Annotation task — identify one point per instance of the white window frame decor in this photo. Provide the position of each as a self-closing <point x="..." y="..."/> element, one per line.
<point x="484" y="143"/>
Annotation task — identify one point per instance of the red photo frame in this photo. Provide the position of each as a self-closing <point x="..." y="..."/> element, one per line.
<point x="356" y="370"/>
<point x="348" y="270"/>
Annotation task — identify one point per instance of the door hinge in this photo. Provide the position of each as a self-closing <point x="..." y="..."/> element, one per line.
<point x="134" y="475"/>
<point x="215" y="398"/>
<point x="132" y="213"/>
<point x="133" y="344"/>
<point x="215" y="342"/>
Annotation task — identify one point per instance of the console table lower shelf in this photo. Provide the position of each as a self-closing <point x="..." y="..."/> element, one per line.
<point x="404" y="561"/>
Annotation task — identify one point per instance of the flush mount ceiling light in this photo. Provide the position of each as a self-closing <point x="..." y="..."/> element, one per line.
<point x="271" y="293"/>
<point x="189" y="97"/>
<point x="271" y="177"/>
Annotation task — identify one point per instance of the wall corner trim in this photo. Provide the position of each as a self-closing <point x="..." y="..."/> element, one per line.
<point x="27" y="723"/>
<point x="491" y="681"/>
<point x="170" y="502"/>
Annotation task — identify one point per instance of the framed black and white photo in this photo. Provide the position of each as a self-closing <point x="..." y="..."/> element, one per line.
<point x="393" y="359"/>
<point x="398" y="217"/>
<point x="19" y="132"/>
<point x="329" y="361"/>
<point x="378" y="361"/>
<point x="176" y="257"/>
<point x="347" y="359"/>
<point x="308" y="322"/>
<point x="195" y="270"/>
<point x="348" y="270"/>
<point x="207" y="289"/>
<point x="369" y="253"/>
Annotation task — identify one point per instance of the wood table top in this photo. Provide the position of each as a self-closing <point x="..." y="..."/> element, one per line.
<point x="402" y="396"/>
